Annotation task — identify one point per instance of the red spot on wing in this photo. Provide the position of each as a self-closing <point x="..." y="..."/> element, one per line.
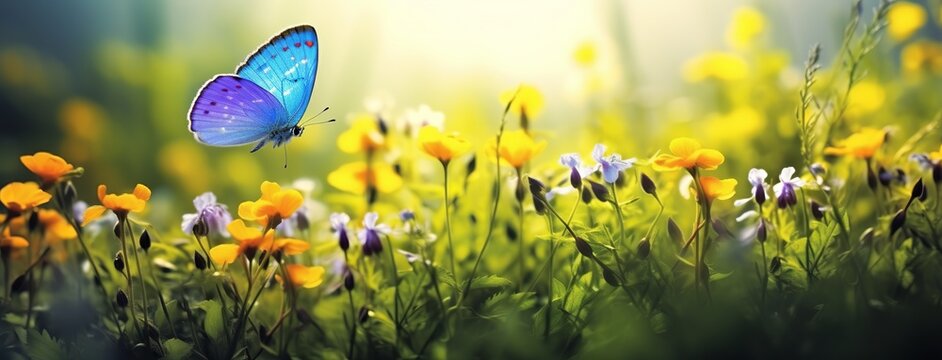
<point x="297" y="44"/>
<point x="283" y="49"/>
<point x="238" y="86"/>
<point x="309" y="43"/>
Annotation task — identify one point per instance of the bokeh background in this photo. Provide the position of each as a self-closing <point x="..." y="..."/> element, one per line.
<point x="107" y="84"/>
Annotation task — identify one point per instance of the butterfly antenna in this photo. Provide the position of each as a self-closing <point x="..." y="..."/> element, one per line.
<point x="305" y="122"/>
<point x="320" y="122"/>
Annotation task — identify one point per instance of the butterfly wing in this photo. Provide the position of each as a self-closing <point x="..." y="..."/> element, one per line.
<point x="230" y="111"/>
<point x="286" y="68"/>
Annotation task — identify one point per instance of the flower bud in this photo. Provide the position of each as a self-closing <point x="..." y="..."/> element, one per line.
<point x="816" y="210"/>
<point x="20" y="284"/>
<point x="348" y="280"/>
<point x="371" y="194"/>
<point x="575" y="179"/>
<point x="144" y="241"/>
<point x="918" y="190"/>
<point x="644" y="248"/>
<point x="775" y="264"/>
<point x="200" y="229"/>
<point x="117" y="229"/>
<point x="610" y="277"/>
<point x="937" y="173"/>
<point x="471" y="165"/>
<point x="69" y="194"/>
<point x="674" y="231"/>
<point x="304" y="317"/>
<point x="365" y="314"/>
<point x="519" y="191"/>
<point x="586" y="195"/>
<point x="33" y="222"/>
<point x="884" y="176"/>
<point x="600" y="191"/>
<point x="648" y="185"/>
<point x="344" y="240"/>
<point x="381" y="124"/>
<point x="199" y="260"/>
<point x="871" y="179"/>
<point x="121" y="298"/>
<point x="760" y="195"/>
<point x="898" y="221"/>
<point x="303" y="222"/>
<point x="762" y="233"/>
<point x="584" y="248"/>
<point x="119" y="261"/>
<point x="511" y="232"/>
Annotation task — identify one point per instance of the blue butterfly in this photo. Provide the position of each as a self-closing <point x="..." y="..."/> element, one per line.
<point x="266" y="98"/>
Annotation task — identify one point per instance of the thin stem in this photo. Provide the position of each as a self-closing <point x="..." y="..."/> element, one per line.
<point x="140" y="272"/>
<point x="353" y="312"/>
<point x="451" y="246"/>
<point x="122" y="238"/>
<point x="521" y="255"/>
<point x="395" y="275"/>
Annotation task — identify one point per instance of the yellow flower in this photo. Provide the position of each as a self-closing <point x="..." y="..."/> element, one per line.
<point x="864" y="98"/>
<point x="688" y="154"/>
<point x="585" y="54"/>
<point x="354" y="178"/>
<point x="904" y="19"/>
<point x="517" y="148"/>
<point x="862" y="144"/>
<point x="20" y="197"/>
<point x="121" y="205"/>
<point x="529" y="101"/>
<point x="716" y="65"/>
<point x="304" y="276"/>
<point x="716" y="189"/>
<point x="55" y="226"/>
<point x="748" y="23"/>
<point x="8" y="241"/>
<point x="274" y="204"/>
<point x="363" y="135"/>
<point x="936" y="155"/>
<point x="922" y="56"/>
<point x="441" y="146"/>
<point x="250" y="241"/>
<point x="50" y="168"/>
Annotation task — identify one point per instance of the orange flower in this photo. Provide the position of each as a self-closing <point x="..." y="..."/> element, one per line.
<point x="251" y="240"/>
<point x="55" y="226"/>
<point x="936" y="155"/>
<point x="441" y="146"/>
<point x="50" y="168"/>
<point x="517" y="148"/>
<point x="20" y="197"/>
<point x="716" y="189"/>
<point x="688" y="154"/>
<point x="121" y="204"/>
<point x="275" y="204"/>
<point x="356" y="178"/>
<point x="304" y="276"/>
<point x="8" y="241"/>
<point x="862" y="144"/>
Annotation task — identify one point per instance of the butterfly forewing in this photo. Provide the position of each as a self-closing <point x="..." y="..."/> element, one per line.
<point x="230" y="111"/>
<point x="286" y="68"/>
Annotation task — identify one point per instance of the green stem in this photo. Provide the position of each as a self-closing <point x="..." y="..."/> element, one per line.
<point x="395" y="275"/>
<point x="140" y="272"/>
<point x="451" y="246"/>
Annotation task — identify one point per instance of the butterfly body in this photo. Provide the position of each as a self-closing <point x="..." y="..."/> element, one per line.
<point x="266" y="98"/>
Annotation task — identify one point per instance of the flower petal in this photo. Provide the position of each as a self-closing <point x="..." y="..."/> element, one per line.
<point x="92" y="213"/>
<point x="224" y="254"/>
<point x="142" y="192"/>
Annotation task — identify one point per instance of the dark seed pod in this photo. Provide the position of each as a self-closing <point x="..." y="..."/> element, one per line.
<point x="397" y="168"/>
<point x="775" y="264"/>
<point x="600" y="191"/>
<point x="871" y="179"/>
<point x="511" y="232"/>
<point x="144" y="240"/>
<point x="610" y="277"/>
<point x="937" y="173"/>
<point x="121" y="298"/>
<point x="586" y="195"/>
<point x="762" y="233"/>
<point x="302" y="221"/>
<point x="348" y="281"/>
<point x="200" y="229"/>
<point x="199" y="261"/>
<point x="898" y="221"/>
<point x="648" y="185"/>
<point x="901" y="176"/>
<point x="674" y="231"/>
<point x="584" y="248"/>
<point x="263" y="335"/>
<point x="69" y="194"/>
<point x="621" y="180"/>
<point x="471" y="165"/>
<point x="371" y="194"/>
<point x="19" y="284"/>
<point x="117" y="229"/>
<point x="119" y="261"/>
<point x="917" y="191"/>
<point x="33" y="222"/>
<point x="760" y="195"/>
<point x="575" y="179"/>
<point x="644" y="248"/>
<point x="816" y="210"/>
<point x="344" y="240"/>
<point x="381" y="124"/>
<point x="365" y="314"/>
<point x="519" y="191"/>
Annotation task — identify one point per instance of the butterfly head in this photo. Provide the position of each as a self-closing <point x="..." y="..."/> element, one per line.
<point x="297" y="131"/>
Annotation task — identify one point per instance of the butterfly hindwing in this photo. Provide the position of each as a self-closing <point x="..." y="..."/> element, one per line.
<point x="230" y="111"/>
<point x="286" y="68"/>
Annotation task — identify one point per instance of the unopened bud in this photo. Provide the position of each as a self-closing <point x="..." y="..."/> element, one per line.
<point x="575" y="179"/>
<point x="119" y="261"/>
<point x="199" y="260"/>
<point x="775" y="264"/>
<point x="144" y="240"/>
<point x="674" y="231"/>
<point x="471" y="165"/>
<point x="33" y="222"/>
<point x="884" y="176"/>
<point x="69" y="194"/>
<point x="200" y="229"/>
<point x="586" y="195"/>
<point x="348" y="281"/>
<point x="816" y="210"/>
<point x="600" y="191"/>
<point x="871" y="179"/>
<point x="610" y="277"/>
<point x="648" y="185"/>
<point x="20" y="284"/>
<point x="762" y="233"/>
<point x="898" y="221"/>
<point x="918" y="190"/>
<point x="644" y="248"/>
<point x="121" y="298"/>
<point x="584" y="248"/>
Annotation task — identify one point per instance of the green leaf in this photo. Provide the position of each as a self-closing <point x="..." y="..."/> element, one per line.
<point x="41" y="346"/>
<point x="176" y="349"/>
<point x="213" y="324"/>
<point x="490" y="281"/>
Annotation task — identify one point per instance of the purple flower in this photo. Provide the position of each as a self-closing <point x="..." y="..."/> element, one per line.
<point x="611" y="165"/>
<point x="338" y="224"/>
<point x="216" y="216"/>
<point x="757" y="180"/>
<point x="369" y="235"/>
<point x="577" y="170"/>
<point x="295" y="223"/>
<point x="785" y="189"/>
<point x="406" y="215"/>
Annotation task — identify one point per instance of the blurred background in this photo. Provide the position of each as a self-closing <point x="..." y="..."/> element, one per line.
<point x="107" y="84"/>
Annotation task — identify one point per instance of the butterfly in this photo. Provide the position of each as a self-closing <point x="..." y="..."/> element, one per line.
<point x="265" y="99"/>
